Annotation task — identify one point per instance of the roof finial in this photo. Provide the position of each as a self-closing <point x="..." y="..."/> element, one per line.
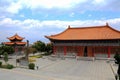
<point x="107" y="24"/>
<point x="68" y="26"/>
<point x="15" y="33"/>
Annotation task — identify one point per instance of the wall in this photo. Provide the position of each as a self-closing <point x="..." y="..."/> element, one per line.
<point x="91" y="51"/>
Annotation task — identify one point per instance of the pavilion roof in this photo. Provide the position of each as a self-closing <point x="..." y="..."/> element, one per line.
<point x="13" y="43"/>
<point x="16" y="36"/>
<point x="104" y="32"/>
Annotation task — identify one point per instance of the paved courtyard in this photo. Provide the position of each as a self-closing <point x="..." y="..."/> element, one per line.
<point x="68" y="69"/>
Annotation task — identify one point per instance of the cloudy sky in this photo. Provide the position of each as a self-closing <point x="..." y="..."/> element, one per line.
<point x="33" y="19"/>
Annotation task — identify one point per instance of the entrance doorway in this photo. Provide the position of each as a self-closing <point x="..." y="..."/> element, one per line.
<point x="85" y="52"/>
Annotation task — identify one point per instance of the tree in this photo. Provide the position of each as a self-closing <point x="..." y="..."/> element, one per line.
<point x="7" y="49"/>
<point x="117" y="61"/>
<point x="1" y="51"/>
<point x="39" y="46"/>
<point x="31" y="50"/>
<point x="117" y="58"/>
<point x="6" y="57"/>
<point x="49" y="48"/>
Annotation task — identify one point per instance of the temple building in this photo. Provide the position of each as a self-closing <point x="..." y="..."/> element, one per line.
<point x="95" y="41"/>
<point x="16" y="42"/>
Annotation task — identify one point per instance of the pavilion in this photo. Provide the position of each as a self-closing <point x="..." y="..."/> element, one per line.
<point x="94" y="41"/>
<point x="16" y="42"/>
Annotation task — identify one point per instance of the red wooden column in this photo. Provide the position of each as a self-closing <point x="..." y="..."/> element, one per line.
<point x="93" y="51"/>
<point x="54" y="50"/>
<point x="16" y="49"/>
<point x="65" y="50"/>
<point x="109" y="49"/>
<point x="78" y="52"/>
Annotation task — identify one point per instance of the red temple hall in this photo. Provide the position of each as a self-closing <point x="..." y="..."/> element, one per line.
<point x="16" y="42"/>
<point x="95" y="41"/>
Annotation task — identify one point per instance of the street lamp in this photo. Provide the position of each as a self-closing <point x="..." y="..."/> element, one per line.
<point x="27" y="52"/>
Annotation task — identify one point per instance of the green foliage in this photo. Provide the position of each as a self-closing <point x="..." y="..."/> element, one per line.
<point x="49" y="48"/>
<point x="117" y="58"/>
<point x="8" y="66"/>
<point x="7" y="49"/>
<point x="1" y="51"/>
<point x="6" y="57"/>
<point x="31" y="66"/>
<point x="36" y="56"/>
<point x="31" y="50"/>
<point x="39" y="46"/>
<point x="0" y="64"/>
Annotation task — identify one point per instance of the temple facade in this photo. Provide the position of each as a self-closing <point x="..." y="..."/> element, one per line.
<point x="16" y="42"/>
<point x="94" y="41"/>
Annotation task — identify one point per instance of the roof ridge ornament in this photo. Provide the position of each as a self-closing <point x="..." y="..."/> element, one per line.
<point x="107" y="24"/>
<point x="16" y="34"/>
<point x="68" y="26"/>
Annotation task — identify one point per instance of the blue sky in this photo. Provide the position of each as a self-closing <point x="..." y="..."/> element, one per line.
<point x="33" y="19"/>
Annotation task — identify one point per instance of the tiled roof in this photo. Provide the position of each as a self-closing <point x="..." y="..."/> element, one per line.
<point x="8" y="43"/>
<point x="12" y="43"/>
<point x="20" y="43"/>
<point x="87" y="33"/>
<point x="16" y="36"/>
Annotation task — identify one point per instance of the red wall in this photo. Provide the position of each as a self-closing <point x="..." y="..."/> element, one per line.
<point x="91" y="51"/>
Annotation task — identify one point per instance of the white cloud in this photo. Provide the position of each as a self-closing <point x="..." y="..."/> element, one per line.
<point x="96" y="2"/>
<point x="1" y="17"/>
<point x="89" y="15"/>
<point x="22" y="16"/>
<point x="51" y="3"/>
<point x="72" y="14"/>
<point x="34" y="30"/>
<point x="31" y="23"/>
<point x="14" y="6"/>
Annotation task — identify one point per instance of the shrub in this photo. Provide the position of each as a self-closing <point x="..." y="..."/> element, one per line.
<point x="0" y="64"/>
<point x="117" y="58"/>
<point x="31" y="66"/>
<point x="6" y="57"/>
<point x="9" y="66"/>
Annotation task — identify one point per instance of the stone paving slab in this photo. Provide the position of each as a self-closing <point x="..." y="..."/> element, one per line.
<point x="68" y="69"/>
<point x="114" y="67"/>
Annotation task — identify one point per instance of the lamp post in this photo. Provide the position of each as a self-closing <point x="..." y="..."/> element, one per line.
<point x="15" y="48"/>
<point x="27" y="52"/>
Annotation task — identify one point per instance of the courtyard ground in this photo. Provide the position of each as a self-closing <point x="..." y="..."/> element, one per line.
<point x="58" y="69"/>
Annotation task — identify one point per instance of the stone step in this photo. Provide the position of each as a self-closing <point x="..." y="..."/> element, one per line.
<point x="86" y="58"/>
